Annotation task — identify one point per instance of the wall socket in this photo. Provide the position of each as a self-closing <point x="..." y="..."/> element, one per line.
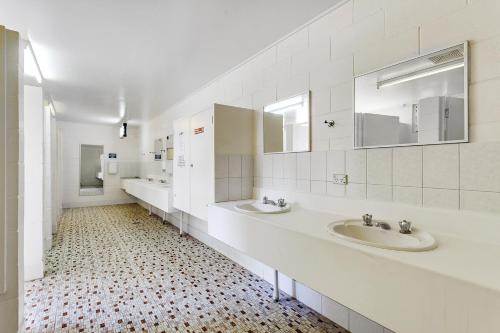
<point x="340" y="178"/>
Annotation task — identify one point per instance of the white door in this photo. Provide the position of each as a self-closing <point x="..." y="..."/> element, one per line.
<point x="202" y="163"/>
<point x="181" y="164"/>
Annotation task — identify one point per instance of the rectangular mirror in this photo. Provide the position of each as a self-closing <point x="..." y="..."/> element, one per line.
<point x="169" y="147"/>
<point x="416" y="102"/>
<point x="91" y="170"/>
<point x="158" y="149"/>
<point x="287" y="125"/>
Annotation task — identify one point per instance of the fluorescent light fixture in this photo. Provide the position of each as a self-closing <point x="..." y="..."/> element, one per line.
<point x="31" y="67"/>
<point x="283" y="104"/>
<point x="421" y="73"/>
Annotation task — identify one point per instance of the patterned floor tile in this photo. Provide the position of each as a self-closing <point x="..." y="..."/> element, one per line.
<point x="108" y="273"/>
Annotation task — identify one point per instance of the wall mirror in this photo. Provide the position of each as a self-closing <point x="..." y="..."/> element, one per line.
<point x="419" y="101"/>
<point x="287" y="125"/>
<point x="91" y="170"/>
<point x="169" y="147"/>
<point x="158" y="149"/>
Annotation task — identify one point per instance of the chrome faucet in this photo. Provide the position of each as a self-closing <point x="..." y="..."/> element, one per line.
<point x="266" y="201"/>
<point x="405" y="227"/>
<point x="367" y="220"/>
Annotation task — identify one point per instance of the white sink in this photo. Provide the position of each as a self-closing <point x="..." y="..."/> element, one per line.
<point x="355" y="231"/>
<point x="259" y="208"/>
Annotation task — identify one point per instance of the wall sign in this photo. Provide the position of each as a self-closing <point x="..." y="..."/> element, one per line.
<point x="199" y="130"/>
<point x="112" y="155"/>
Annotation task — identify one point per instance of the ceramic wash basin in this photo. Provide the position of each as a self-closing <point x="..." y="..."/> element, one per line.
<point x="354" y="231"/>
<point x="260" y="208"/>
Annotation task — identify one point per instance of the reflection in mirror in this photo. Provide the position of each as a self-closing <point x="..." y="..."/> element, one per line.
<point x="91" y="170"/>
<point x="287" y="125"/>
<point x="158" y="149"/>
<point x="416" y="102"/>
<point x="169" y="147"/>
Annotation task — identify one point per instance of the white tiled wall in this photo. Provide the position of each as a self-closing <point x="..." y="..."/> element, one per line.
<point x="234" y="177"/>
<point x="359" y="36"/>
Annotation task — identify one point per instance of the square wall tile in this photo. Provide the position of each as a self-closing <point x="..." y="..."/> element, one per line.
<point x="361" y="324"/>
<point x="247" y="166"/>
<point x="234" y="166"/>
<point x="335" y="163"/>
<point x="258" y="165"/>
<point x="318" y="165"/>
<point x="379" y="192"/>
<point x="334" y="311"/>
<point x="247" y="188"/>
<point x="304" y="166"/>
<point x="480" y="201"/>
<point x="267" y="166"/>
<point x="303" y="185"/>
<point x="278" y="169"/>
<point x="221" y="166"/>
<point x="234" y="189"/>
<point x="441" y="166"/>
<point x="480" y="166"/>
<point x="356" y="191"/>
<point x="441" y="198"/>
<point x="221" y="190"/>
<point x="407" y="166"/>
<point x="355" y="162"/>
<point x="379" y="166"/>
<point x="407" y="195"/>
<point x="335" y="190"/>
<point x="318" y="186"/>
<point x="290" y="166"/>
<point x="308" y="296"/>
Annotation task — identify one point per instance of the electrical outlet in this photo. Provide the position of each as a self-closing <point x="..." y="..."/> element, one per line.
<point x="339" y="178"/>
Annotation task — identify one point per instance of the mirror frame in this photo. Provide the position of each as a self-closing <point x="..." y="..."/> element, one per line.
<point x="466" y="98"/>
<point x="308" y="92"/>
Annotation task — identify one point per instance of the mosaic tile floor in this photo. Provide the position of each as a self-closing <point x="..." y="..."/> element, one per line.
<point x="116" y="269"/>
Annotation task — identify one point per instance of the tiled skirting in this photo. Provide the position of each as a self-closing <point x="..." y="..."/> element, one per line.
<point x="116" y="269"/>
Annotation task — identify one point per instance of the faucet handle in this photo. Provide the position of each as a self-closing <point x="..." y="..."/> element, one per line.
<point x="281" y="202"/>
<point x="367" y="220"/>
<point x="405" y="227"/>
<point x="264" y="199"/>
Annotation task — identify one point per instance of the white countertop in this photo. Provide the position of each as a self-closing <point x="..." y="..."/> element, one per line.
<point x="470" y="261"/>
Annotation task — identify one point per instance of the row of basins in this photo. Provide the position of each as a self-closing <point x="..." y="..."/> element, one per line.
<point x="355" y="230"/>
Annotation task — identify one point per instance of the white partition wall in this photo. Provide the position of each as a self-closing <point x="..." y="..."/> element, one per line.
<point x="33" y="183"/>
<point x="9" y="185"/>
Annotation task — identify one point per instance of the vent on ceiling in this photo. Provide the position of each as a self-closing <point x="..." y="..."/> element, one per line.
<point x="447" y="56"/>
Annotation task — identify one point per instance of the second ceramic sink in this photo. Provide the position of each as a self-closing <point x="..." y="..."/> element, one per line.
<point x="354" y="231"/>
<point x="260" y="208"/>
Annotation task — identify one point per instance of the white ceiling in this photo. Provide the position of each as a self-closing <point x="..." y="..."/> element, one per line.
<point x="148" y="53"/>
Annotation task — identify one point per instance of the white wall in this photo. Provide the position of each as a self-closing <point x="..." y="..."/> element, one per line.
<point x="34" y="214"/>
<point x="75" y="134"/>
<point x="11" y="193"/>
<point x="324" y="56"/>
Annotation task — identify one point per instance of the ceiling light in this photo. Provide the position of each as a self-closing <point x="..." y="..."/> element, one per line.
<point x="283" y="104"/>
<point x="420" y="74"/>
<point x="31" y="68"/>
